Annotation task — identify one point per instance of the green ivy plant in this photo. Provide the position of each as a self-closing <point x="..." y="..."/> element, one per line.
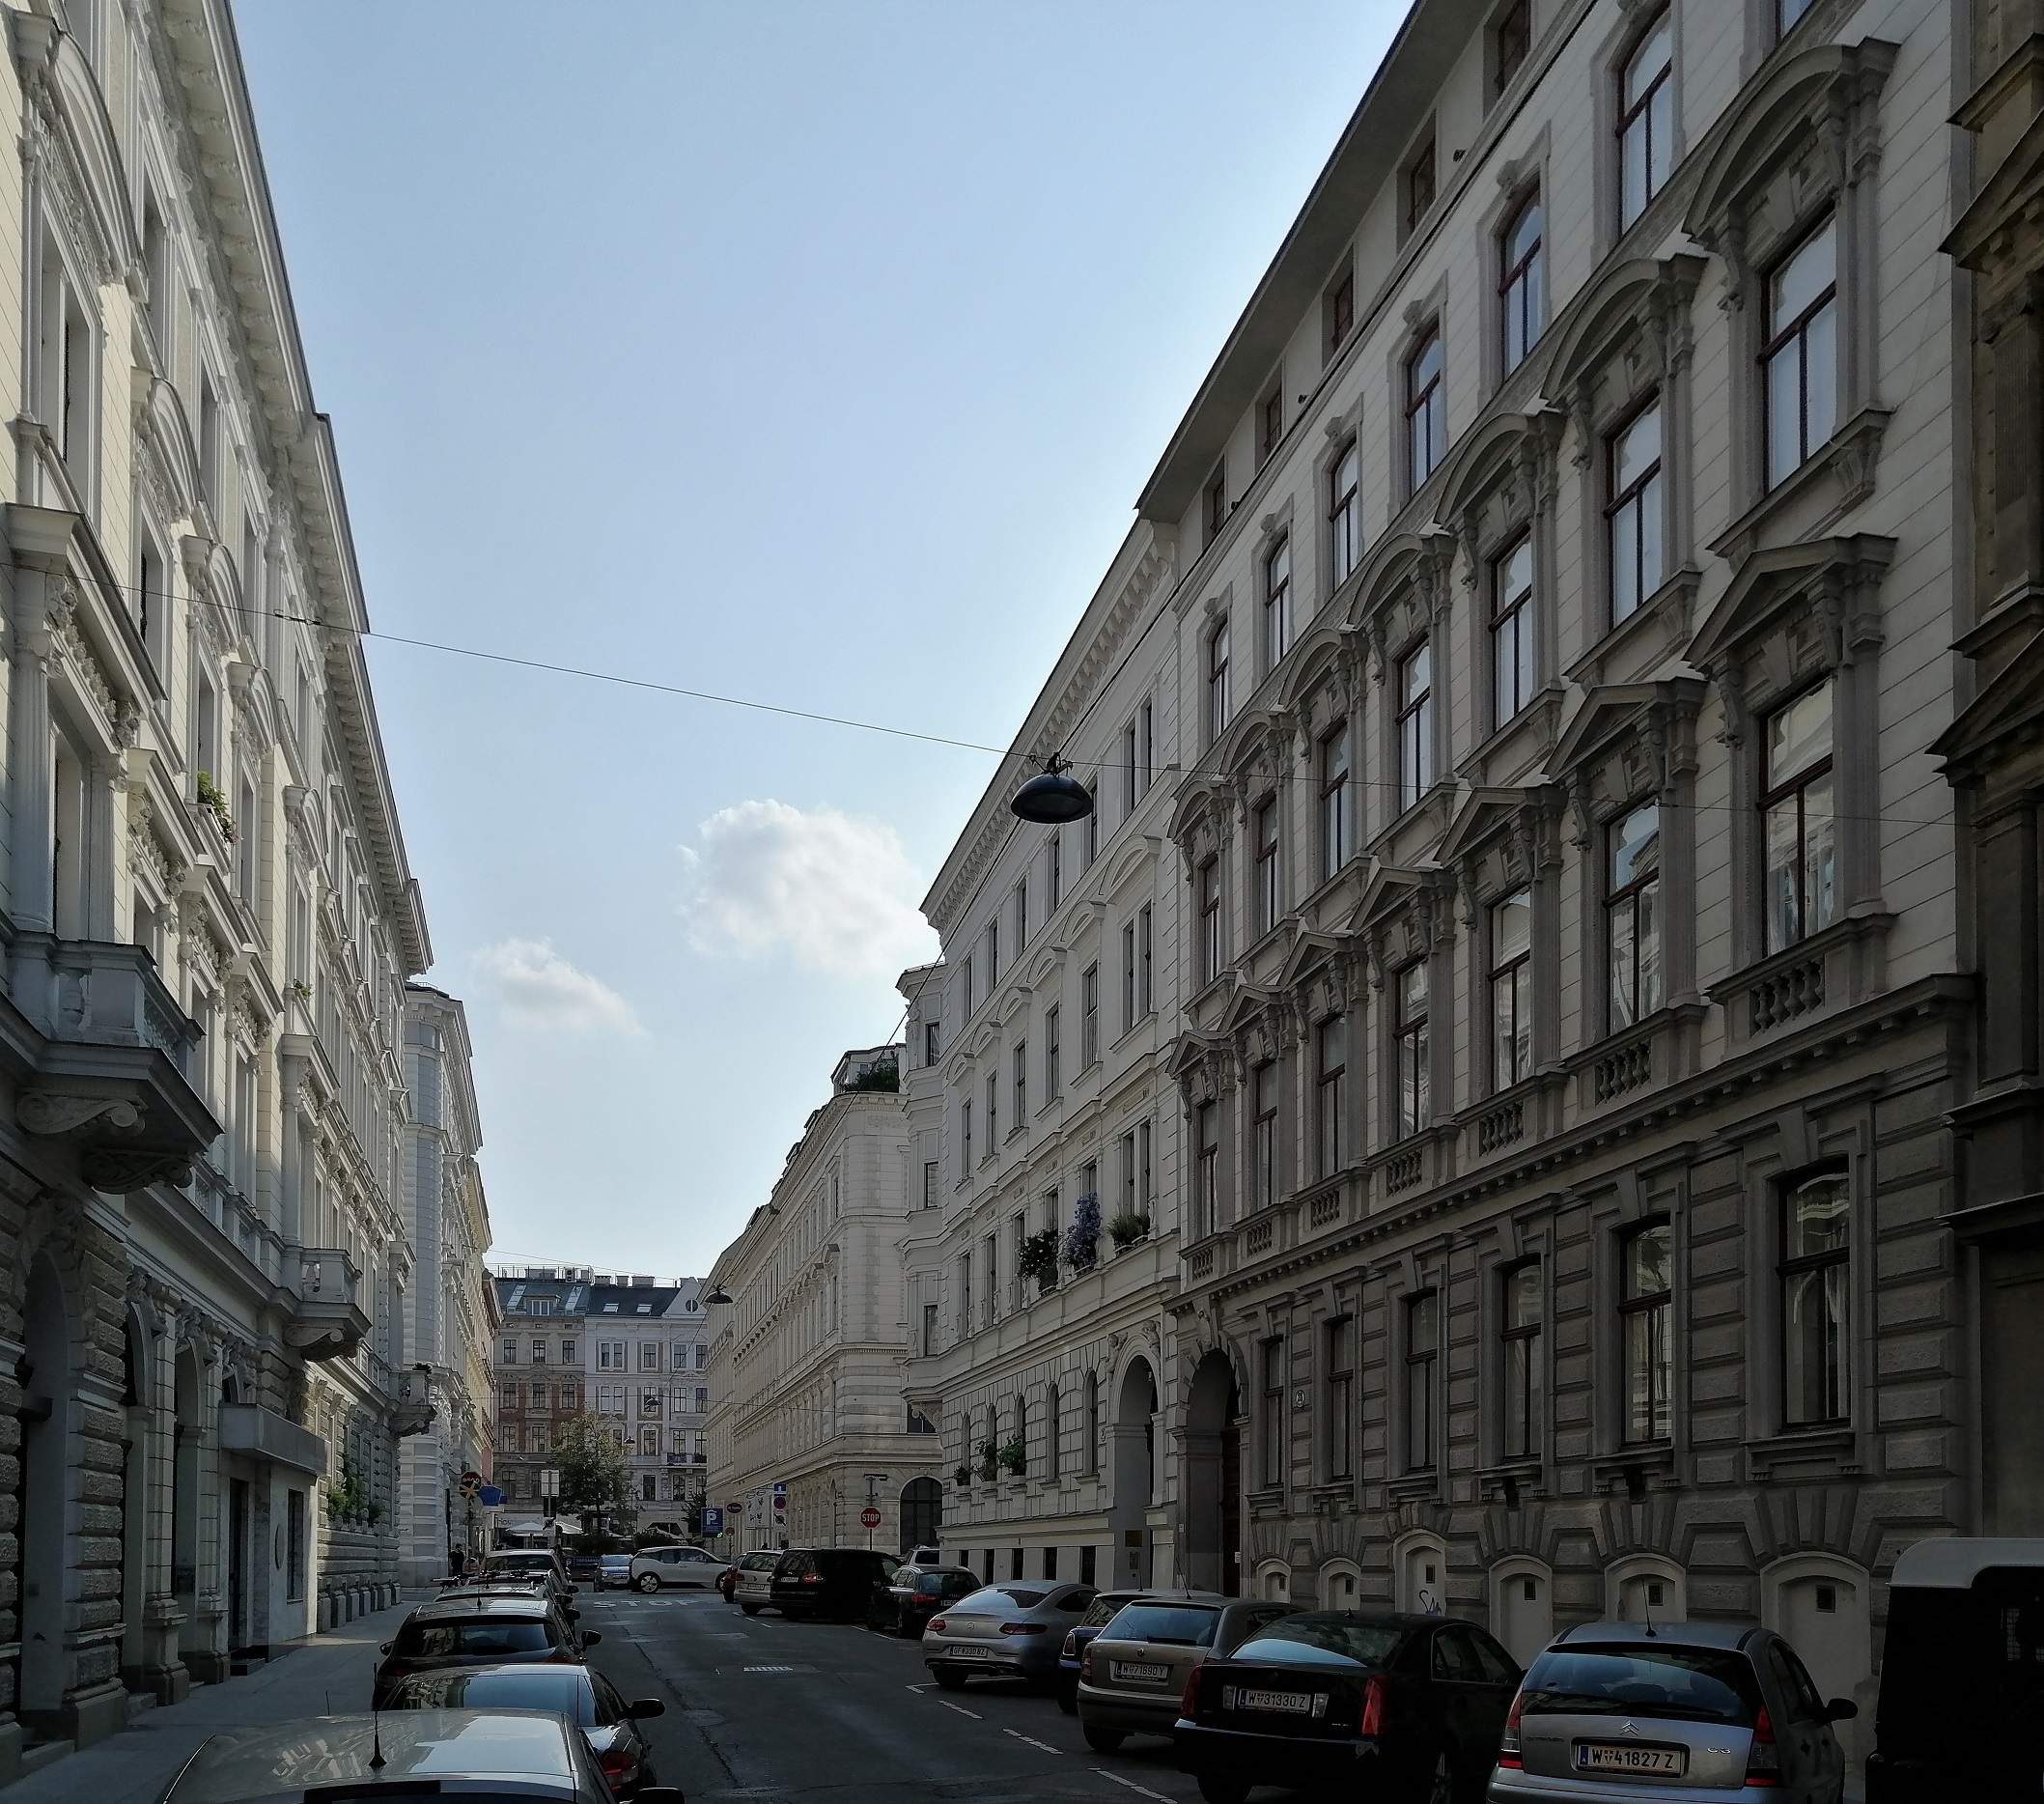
<point x="1014" y="1457"/>
<point x="212" y="796"/>
<point x="1125" y="1231"/>
<point x="1039" y="1258"/>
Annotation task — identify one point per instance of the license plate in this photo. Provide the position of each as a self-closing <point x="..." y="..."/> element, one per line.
<point x="970" y="1654"/>
<point x="1601" y="1757"/>
<point x="1141" y="1671"/>
<point x="1292" y="1703"/>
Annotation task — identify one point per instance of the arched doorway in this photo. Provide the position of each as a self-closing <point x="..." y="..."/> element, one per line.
<point x="1135" y="1473"/>
<point x="45" y="1418"/>
<point x="922" y="1514"/>
<point x="1214" y="1478"/>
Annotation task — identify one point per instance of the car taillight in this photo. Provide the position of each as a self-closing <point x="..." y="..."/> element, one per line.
<point x="1085" y="1664"/>
<point x="1023" y="1629"/>
<point x="1070" y="1650"/>
<point x="616" y="1762"/>
<point x="935" y="1626"/>
<point x="1375" y="1705"/>
<point x="1508" y="1742"/>
<point x="1763" y="1760"/>
<point x="1189" y="1705"/>
<point x="812" y="1578"/>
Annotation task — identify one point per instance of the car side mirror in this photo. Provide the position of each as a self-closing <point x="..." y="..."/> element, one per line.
<point x="590" y="1639"/>
<point x="645" y="1706"/>
<point x="1840" y="1711"/>
<point x="383" y="1647"/>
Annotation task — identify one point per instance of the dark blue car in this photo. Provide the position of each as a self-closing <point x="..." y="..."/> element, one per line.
<point x="1104" y="1608"/>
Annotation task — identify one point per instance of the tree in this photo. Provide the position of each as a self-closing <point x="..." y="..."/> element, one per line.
<point x="591" y="1462"/>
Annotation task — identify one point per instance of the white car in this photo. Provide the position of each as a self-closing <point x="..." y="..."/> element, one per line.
<point x="653" y="1567"/>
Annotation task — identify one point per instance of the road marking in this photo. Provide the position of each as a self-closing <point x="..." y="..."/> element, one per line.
<point x="1032" y="1741"/>
<point x="961" y="1709"/>
<point x="918" y="1689"/>
<point x="1134" y="1787"/>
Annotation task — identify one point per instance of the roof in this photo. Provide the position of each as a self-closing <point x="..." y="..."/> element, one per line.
<point x="1728" y="1635"/>
<point x="1954" y="1561"/>
<point x="484" y="1603"/>
<point x="287" y="1757"/>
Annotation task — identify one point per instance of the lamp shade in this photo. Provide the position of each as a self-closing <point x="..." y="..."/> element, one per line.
<point x="1052" y="798"/>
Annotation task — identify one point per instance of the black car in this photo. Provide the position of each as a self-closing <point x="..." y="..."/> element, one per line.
<point x="586" y="1698"/>
<point x="1102" y="1611"/>
<point x="1375" y="1705"/>
<point x="904" y="1604"/>
<point x="835" y="1582"/>
<point x="486" y="1629"/>
<point x="581" y="1568"/>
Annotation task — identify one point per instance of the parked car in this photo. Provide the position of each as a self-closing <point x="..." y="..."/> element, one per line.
<point x="1133" y="1674"/>
<point x="1962" y="1678"/>
<point x="727" y="1579"/>
<point x="1371" y="1705"/>
<point x="1103" y="1610"/>
<point x="1003" y="1631"/>
<point x="580" y="1567"/>
<point x="586" y="1698"/>
<point x="829" y="1581"/>
<point x="752" y="1589"/>
<point x="906" y="1601"/>
<point x="528" y="1755"/>
<point x="651" y="1567"/>
<point x="924" y="1557"/>
<point x="1625" y="1711"/>
<point x="535" y="1563"/>
<point x="613" y="1572"/>
<point x="480" y="1630"/>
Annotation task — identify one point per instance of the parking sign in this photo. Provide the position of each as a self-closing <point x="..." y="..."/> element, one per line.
<point x="712" y="1519"/>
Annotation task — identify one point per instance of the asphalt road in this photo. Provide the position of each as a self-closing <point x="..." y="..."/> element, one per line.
<point x="759" y="1708"/>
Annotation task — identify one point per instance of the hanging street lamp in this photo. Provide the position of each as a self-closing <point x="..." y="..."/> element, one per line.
<point x="1052" y="798"/>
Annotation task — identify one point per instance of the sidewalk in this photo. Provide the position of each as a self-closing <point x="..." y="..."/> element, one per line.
<point x="323" y="1676"/>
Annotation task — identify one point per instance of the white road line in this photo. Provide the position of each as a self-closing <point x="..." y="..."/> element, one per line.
<point x="962" y="1711"/>
<point x="918" y="1689"/>
<point x="1032" y="1741"/>
<point x="1134" y="1787"/>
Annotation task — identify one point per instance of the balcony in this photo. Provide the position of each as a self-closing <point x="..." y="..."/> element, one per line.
<point x="103" y="1056"/>
<point x="324" y="1321"/>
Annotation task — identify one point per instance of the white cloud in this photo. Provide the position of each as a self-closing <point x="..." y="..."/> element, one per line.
<point x="835" y="892"/>
<point x="537" y="988"/>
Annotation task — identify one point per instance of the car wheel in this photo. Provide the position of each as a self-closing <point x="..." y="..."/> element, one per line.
<point x="1066" y="1703"/>
<point x="647" y="1583"/>
<point x="1217" y="1790"/>
<point x="948" y="1678"/>
<point x="750" y="1609"/>
<point x="1439" y="1784"/>
<point x="1104" y="1741"/>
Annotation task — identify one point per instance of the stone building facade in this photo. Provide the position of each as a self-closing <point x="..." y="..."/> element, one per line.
<point x="808" y="1425"/>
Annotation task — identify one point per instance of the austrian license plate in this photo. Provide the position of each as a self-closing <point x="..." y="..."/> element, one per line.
<point x="1604" y="1757"/>
<point x="1141" y="1671"/>
<point x="1291" y="1703"/>
<point x="970" y="1654"/>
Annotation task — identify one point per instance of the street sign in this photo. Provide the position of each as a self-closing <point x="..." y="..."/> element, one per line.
<point x="869" y="1518"/>
<point x="490" y="1496"/>
<point x="712" y="1519"/>
<point x="780" y="1487"/>
<point x="471" y="1483"/>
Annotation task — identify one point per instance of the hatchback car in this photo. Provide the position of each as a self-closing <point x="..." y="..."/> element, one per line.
<point x="1623" y="1711"/>
<point x="1133" y="1674"/>
<point x="1003" y="1631"/>
<point x="829" y="1581"/>
<point x="489" y="1755"/>
<point x="905" y="1604"/>
<point x="1103" y="1610"/>
<point x="653" y="1567"/>
<point x="586" y="1698"/>
<point x="1374" y="1705"/>
<point x="752" y="1582"/>
<point x="483" y="1631"/>
<point x="613" y="1572"/>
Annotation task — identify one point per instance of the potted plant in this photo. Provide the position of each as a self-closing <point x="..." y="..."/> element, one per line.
<point x="962" y="1477"/>
<point x="1126" y="1229"/>
<point x="212" y="796"/>
<point x="988" y="1464"/>
<point x="1014" y="1457"/>
<point x="1082" y="1237"/>
<point x="1039" y="1258"/>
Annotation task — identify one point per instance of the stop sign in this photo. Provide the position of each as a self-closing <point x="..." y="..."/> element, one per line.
<point x="869" y="1518"/>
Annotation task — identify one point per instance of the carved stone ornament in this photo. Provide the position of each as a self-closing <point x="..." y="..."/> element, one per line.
<point x="48" y="1113"/>
<point x="120" y="1174"/>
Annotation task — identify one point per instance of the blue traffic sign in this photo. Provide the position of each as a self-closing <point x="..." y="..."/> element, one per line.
<point x="490" y="1496"/>
<point x="712" y="1519"/>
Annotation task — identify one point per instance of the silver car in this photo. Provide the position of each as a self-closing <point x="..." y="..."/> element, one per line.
<point x="1004" y="1631"/>
<point x="1626" y="1712"/>
<point x="753" y="1589"/>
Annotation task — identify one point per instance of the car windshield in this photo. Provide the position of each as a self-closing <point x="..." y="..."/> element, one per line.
<point x="928" y="1584"/>
<point x="1302" y="1637"/>
<point x="1102" y="1612"/>
<point x="471" y="1640"/>
<point x="1694" y="1684"/>
<point x="521" y="1562"/>
<point x="560" y="1688"/>
<point x="1176" y="1624"/>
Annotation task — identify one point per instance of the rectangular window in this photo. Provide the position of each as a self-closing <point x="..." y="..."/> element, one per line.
<point x="648" y="1356"/>
<point x="1513" y="37"/>
<point x="1091" y="825"/>
<point x="1521" y="287"/>
<point x="1128" y="790"/>
<point x="1054" y="872"/>
<point x="1220" y="704"/>
<point x="964" y="1293"/>
<point x="1145" y="960"/>
<point x="1273" y="1413"/>
<point x="929" y="1340"/>
<point x="1128" y="1205"/>
<point x="930" y="1043"/>
<point x="1263" y="1132"/>
<point x="1426" y="415"/>
<point x="539" y="1352"/>
<point x="992" y="1113"/>
<point x="1646" y="120"/>
<point x="1344" y="513"/>
<point x="1800" y="361"/>
<point x="1421" y="183"/>
<point x="993" y="1258"/>
<point x="1814" y="1272"/>
<point x="1269" y="423"/>
<point x="1412" y="1051"/>
<point x="295" y="1550"/>
<point x="1340" y="1335"/>
<point x="929" y="1184"/>
<point x="1127" y="976"/>
<point x="1334" y="800"/>
<point x="1089" y="1017"/>
<point x="1802" y="876"/>
<point x="1214" y="503"/>
<point x="1633" y="512"/>
<point x="964" y="1139"/>
<point x="1338" y="314"/>
<point x="1521" y="1360"/>
<point x="1053" y="1081"/>
<point x="1207" y="1194"/>
<point x="991" y="950"/>
<point x="1265" y="822"/>
<point x="1511" y="632"/>
<point x="1022" y="916"/>
<point x="1646" y="1302"/>
<point x="1422" y="1348"/>
<point x="1143" y="1190"/>
<point x="1022" y="1082"/>
<point x="1210" y="920"/>
<point x="966" y="986"/>
<point x="1512" y="989"/>
<point x="1415" y="724"/>
<point x="1331" y="1093"/>
<point x="1633" y="914"/>
<point x="1276" y="604"/>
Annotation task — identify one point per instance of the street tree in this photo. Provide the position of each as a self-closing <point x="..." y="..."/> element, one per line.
<point x="591" y="1461"/>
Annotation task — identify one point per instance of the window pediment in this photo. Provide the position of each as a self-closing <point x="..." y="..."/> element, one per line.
<point x="1627" y="335"/>
<point x="1403" y="916"/>
<point x="1627" y="741"/>
<point x="1403" y="589"/>
<point x="1492" y="481"/>
<point x="2003" y="721"/>
<point x="1500" y="839"/>
<point x="1320" y="683"/>
<point x="1203" y="1066"/>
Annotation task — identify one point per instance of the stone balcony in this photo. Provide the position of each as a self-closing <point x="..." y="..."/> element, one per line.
<point x="324" y="1320"/>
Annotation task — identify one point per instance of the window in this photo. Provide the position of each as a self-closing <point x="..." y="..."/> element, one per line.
<point x="1340" y="1335"/>
<point x="1263" y="1133"/>
<point x="1220" y="708"/>
<point x="992" y="1113"/>
<point x="539" y="1305"/>
<point x="1277" y="602"/>
<point x="1788" y="14"/>
<point x="1092" y="1426"/>
<point x="1511" y="632"/>
<point x="1422" y="1347"/>
<point x="1129" y="1204"/>
<point x="1052" y="1076"/>
<point x="1426" y="418"/>
<point x="964" y="1293"/>
<point x="295" y="1547"/>
<point x="1127" y="976"/>
<point x="1800" y="361"/>
<point x="1022" y="1083"/>
<point x="1421" y="186"/>
<point x="1089" y="1017"/>
<point x="1214" y="503"/>
<point x="1647" y="123"/>
<point x="150" y="598"/>
<point x="1632" y="911"/>
<point x="1273" y="1437"/>
<point x="1338" y="313"/>
<point x="1145" y="959"/>
<point x="1266" y="844"/>
<point x="965" y="1138"/>
<point x="210" y="445"/>
<point x="1344" y="513"/>
<point x="1022" y="916"/>
<point x="610" y="1356"/>
<point x="1634" y="512"/>
<point x="1512" y="989"/>
<point x="1053" y="1425"/>
<point x="1269" y="423"/>
<point x="651" y="1402"/>
<point x="1815" y="1271"/>
<point x="539" y="1352"/>
<point x="155" y="269"/>
<point x="1331" y="1092"/>
<point x="1207" y="1195"/>
<point x="967" y="981"/>
<point x="1523" y="285"/>
<point x="1645" y="1303"/>
<point x="1210" y="920"/>
<point x="1513" y="38"/>
<point x="1091" y="828"/>
<point x="1522" y="1359"/>
<point x="993" y="1255"/>
<point x="1335" y="785"/>
<point x="568" y="1353"/>
<point x="930" y="1043"/>
<point x="648" y="1356"/>
<point x="1801" y="893"/>
<point x="1415" y="724"/>
<point x="1054" y="872"/>
<point x="992" y="952"/>
<point x="1411" y="1032"/>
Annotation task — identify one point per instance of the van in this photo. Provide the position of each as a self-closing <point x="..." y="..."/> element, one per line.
<point x="834" y="1582"/>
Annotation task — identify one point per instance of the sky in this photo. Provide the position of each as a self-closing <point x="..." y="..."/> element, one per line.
<point x="809" y="354"/>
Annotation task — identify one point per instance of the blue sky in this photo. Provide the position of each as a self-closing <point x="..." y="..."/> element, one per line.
<point x="806" y="353"/>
